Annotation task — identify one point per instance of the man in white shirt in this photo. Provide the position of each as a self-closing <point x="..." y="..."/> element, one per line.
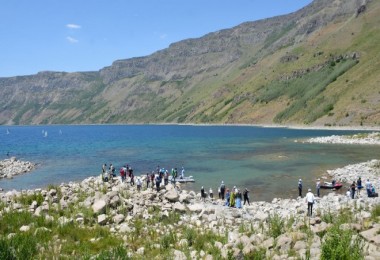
<point x="310" y="201"/>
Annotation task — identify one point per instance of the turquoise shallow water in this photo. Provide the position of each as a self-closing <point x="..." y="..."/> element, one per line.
<point x="267" y="161"/>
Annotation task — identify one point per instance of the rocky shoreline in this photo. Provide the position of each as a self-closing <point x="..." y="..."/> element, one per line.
<point x="247" y="231"/>
<point x="12" y="167"/>
<point x="365" y="139"/>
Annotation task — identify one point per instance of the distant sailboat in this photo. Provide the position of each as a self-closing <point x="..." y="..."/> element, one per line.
<point x="45" y="135"/>
<point x="8" y="131"/>
<point x="60" y="131"/>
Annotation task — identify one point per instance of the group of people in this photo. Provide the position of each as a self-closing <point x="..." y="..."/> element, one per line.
<point x="232" y="198"/>
<point x="108" y="174"/>
<point x="152" y="180"/>
<point x="357" y="186"/>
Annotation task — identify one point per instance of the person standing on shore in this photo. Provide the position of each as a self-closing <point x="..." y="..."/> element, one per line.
<point x="222" y="190"/>
<point x="122" y="174"/>
<point x="245" y="196"/>
<point x="238" y="199"/>
<point x="359" y="185"/>
<point x="232" y="198"/>
<point x="300" y="188"/>
<point x="211" y="194"/>
<point x="203" y="195"/>
<point x="353" y="190"/>
<point x="166" y="178"/>
<point x="147" y="180"/>
<point x="368" y="187"/>
<point x="138" y="184"/>
<point x="318" y="186"/>
<point x="158" y="182"/>
<point x="310" y="201"/>
<point x="152" y="179"/>
<point x="227" y="198"/>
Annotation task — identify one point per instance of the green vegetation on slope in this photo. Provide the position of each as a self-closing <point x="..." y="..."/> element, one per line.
<point x="305" y="93"/>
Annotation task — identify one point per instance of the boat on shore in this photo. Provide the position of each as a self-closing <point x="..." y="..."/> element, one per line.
<point x="183" y="179"/>
<point x="330" y="185"/>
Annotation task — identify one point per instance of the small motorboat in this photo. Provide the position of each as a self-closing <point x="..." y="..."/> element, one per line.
<point x="330" y="185"/>
<point x="183" y="179"/>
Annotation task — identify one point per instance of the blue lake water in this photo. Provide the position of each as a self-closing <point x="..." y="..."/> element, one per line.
<point x="267" y="161"/>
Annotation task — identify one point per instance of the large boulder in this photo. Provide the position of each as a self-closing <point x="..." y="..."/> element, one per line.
<point x="172" y="195"/>
<point x="179" y="207"/>
<point x="99" y="206"/>
<point x="372" y="235"/>
<point x="197" y="208"/>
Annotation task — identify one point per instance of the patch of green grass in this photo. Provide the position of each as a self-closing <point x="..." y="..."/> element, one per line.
<point x="27" y="199"/>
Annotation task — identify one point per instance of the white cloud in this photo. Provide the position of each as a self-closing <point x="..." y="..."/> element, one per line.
<point x="163" y="36"/>
<point x="73" y="26"/>
<point x="71" y="39"/>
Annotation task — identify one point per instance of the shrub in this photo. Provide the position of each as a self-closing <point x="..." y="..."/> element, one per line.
<point x="375" y="212"/>
<point x="341" y="244"/>
<point x="276" y="225"/>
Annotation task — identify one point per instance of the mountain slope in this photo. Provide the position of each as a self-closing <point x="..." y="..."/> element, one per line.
<point x="316" y="66"/>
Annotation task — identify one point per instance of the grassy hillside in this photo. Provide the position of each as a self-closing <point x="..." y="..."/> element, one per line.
<point x="317" y="66"/>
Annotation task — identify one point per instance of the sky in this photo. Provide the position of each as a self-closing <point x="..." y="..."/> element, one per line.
<point x="87" y="35"/>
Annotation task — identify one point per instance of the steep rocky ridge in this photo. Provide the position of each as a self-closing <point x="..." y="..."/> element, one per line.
<point x="314" y="66"/>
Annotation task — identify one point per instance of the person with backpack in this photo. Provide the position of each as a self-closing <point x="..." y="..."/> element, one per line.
<point x="158" y="182"/>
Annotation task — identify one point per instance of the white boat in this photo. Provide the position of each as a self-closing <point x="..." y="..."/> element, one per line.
<point x="45" y="135"/>
<point x="8" y="131"/>
<point x="182" y="180"/>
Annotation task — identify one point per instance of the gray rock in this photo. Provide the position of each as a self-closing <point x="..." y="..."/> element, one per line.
<point x="25" y="228"/>
<point x="299" y="245"/>
<point x="179" y="255"/>
<point x="172" y="195"/>
<point x="268" y="244"/>
<point x="372" y="235"/>
<point x="197" y="207"/>
<point x="102" y="219"/>
<point x="118" y="218"/>
<point x="283" y="242"/>
<point x="99" y="206"/>
<point x="179" y="207"/>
